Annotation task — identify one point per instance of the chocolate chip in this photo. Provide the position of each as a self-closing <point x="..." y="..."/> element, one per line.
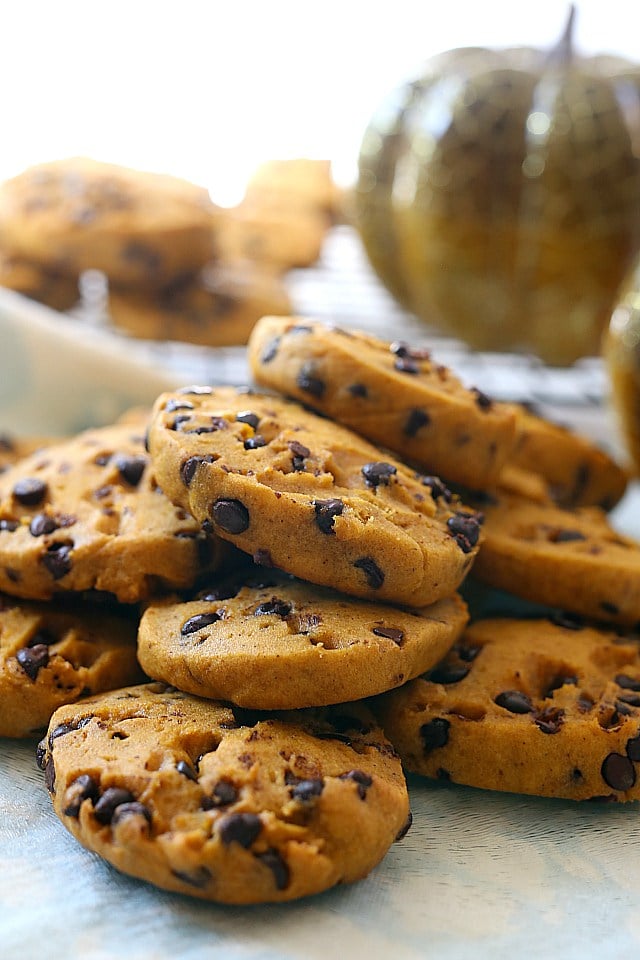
<point x="33" y="659"/>
<point x="465" y="530"/>
<point x="308" y="380"/>
<point x="633" y="699"/>
<point x="549" y="720"/>
<point x="223" y="794"/>
<point x="274" y="606"/>
<point x="448" y="673"/>
<point x="326" y="511"/>
<point x="198" y="878"/>
<point x="378" y="473"/>
<point x="248" y="417"/>
<point x="231" y="515"/>
<point x="362" y="779"/>
<point x="62" y="729"/>
<point x="609" y="608"/>
<point x="9" y="525"/>
<point x="559" y="681"/>
<point x="358" y="390"/>
<point x="437" y="488"/>
<point x="406" y="365"/>
<point x="569" y="621"/>
<point x="254" y="443"/>
<point x="298" y="449"/>
<point x="143" y="255"/>
<point x="82" y="788"/>
<point x="404" y="830"/>
<point x="131" y="468"/>
<point x="307" y="790"/>
<point x="50" y="775"/>
<point x="132" y="809"/>
<point x="106" y="806"/>
<point x="270" y="351"/>
<point x="186" y="770"/>
<point x="626" y="682"/>
<point x="434" y="734"/>
<point x="173" y="405"/>
<point x="57" y="559"/>
<point x="373" y="574"/>
<point x="415" y="421"/>
<point x="195" y="390"/>
<point x="390" y="633"/>
<point x="566" y="536"/>
<point x="618" y="772"/>
<point x="30" y="491"/>
<point x="403" y="349"/>
<point x="42" y="524"/>
<point x="197" y="622"/>
<point x="482" y="400"/>
<point x="633" y="748"/>
<point x="273" y="860"/>
<point x="242" y="828"/>
<point x="189" y="467"/>
<point x="514" y="701"/>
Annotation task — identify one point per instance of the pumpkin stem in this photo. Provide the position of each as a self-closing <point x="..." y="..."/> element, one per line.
<point x="562" y="53"/>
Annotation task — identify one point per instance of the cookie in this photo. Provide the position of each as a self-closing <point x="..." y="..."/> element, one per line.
<point x="282" y="238"/>
<point x="308" y="496"/>
<point x="578" y="472"/>
<point x="298" y="184"/>
<point x="79" y="214"/>
<point x="391" y="393"/>
<point x="269" y="642"/>
<point x="217" y="308"/>
<point x="233" y="807"/>
<point x="526" y="706"/>
<point x="573" y="560"/>
<point x="87" y="513"/>
<point x="54" y="289"/>
<point x="54" y="653"/>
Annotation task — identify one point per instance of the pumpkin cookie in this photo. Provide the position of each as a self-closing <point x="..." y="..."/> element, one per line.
<point x="272" y="643"/>
<point x="278" y="237"/>
<point x="573" y="560"/>
<point x="79" y="214"/>
<point x="578" y="472"/>
<point x="217" y="308"/>
<point x="391" y="393"/>
<point x="228" y="806"/>
<point x="310" y="497"/>
<point x="299" y="184"/>
<point x="87" y="513"/>
<point x="52" y="654"/>
<point x="526" y="706"/>
<point x="55" y="290"/>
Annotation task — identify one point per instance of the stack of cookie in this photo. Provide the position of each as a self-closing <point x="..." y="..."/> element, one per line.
<point x="301" y="619"/>
<point x="178" y="266"/>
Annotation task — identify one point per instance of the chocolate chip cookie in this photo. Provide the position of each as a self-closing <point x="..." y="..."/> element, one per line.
<point x="310" y="497"/>
<point x="571" y="559"/>
<point x="392" y="393"/>
<point x="87" y="513"/>
<point x="270" y="642"/>
<point x="578" y="472"/>
<point x="56" y="290"/>
<point x="77" y="214"/>
<point x="225" y="805"/>
<point x="55" y="653"/>
<point x="527" y="706"/>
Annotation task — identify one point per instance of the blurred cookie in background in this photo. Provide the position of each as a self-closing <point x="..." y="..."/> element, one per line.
<point x="219" y="307"/>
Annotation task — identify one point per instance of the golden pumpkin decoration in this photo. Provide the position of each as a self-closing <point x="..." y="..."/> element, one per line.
<point x="498" y="195"/>
<point x="622" y="356"/>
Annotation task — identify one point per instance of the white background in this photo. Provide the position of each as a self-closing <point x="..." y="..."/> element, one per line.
<point x="206" y="90"/>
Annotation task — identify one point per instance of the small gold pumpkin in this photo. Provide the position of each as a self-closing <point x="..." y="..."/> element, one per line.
<point x="498" y="195"/>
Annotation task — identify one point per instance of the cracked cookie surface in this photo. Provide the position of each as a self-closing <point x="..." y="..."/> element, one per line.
<point x="225" y="805"/>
